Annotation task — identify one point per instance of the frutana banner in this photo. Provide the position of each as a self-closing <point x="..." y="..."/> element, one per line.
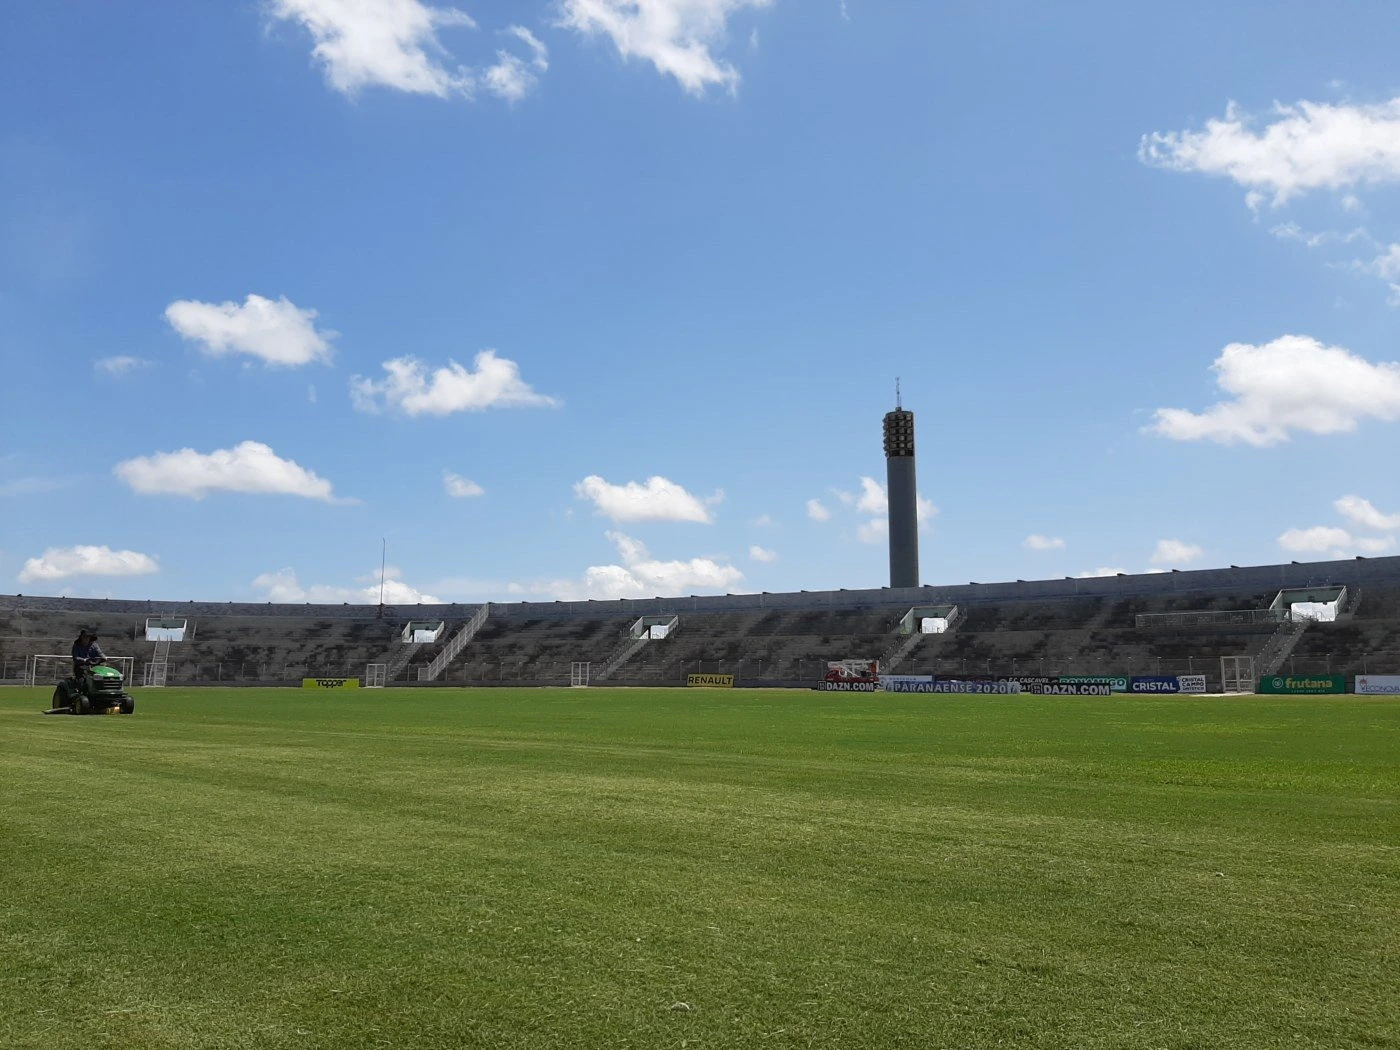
<point x="330" y="683"/>
<point x="710" y="681"/>
<point x="1302" y="685"/>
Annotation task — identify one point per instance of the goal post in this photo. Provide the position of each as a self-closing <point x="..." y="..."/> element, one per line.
<point x="579" y="673"/>
<point x="48" y="668"/>
<point x="375" y="675"/>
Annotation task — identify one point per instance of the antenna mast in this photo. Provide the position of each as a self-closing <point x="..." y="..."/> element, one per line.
<point x="898" y="400"/>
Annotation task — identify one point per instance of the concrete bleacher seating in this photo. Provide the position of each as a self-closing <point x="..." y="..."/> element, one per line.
<point x="1049" y="627"/>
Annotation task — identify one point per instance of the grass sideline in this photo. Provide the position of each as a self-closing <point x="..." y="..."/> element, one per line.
<point x="726" y="868"/>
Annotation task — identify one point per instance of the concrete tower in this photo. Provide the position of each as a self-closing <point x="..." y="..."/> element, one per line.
<point x="903" y="493"/>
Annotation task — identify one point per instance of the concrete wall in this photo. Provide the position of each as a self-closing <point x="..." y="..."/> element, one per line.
<point x="1357" y="572"/>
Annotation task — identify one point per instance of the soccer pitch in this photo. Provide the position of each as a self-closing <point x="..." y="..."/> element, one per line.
<point x="701" y="869"/>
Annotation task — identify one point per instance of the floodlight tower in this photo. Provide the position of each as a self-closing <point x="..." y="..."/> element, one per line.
<point x="903" y="494"/>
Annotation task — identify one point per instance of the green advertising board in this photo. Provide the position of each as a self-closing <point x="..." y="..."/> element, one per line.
<point x="1303" y="684"/>
<point x="1117" y="682"/>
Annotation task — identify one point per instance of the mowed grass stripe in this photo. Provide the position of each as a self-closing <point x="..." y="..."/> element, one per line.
<point x="551" y="868"/>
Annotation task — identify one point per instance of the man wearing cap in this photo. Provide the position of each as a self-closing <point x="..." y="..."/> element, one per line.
<point x="86" y="653"/>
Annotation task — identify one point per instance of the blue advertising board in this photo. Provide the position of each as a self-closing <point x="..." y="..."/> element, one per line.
<point x="1154" y="683"/>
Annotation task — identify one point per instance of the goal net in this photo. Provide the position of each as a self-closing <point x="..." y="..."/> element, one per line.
<point x="48" y="668"/>
<point x="579" y="672"/>
<point x="375" y="675"/>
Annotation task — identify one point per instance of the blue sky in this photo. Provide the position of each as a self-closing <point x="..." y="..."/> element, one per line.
<point x="571" y="298"/>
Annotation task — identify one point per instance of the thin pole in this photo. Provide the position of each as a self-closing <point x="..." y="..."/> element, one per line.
<point x="383" y="560"/>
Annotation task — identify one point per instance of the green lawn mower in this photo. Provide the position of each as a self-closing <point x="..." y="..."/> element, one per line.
<point x="96" y="691"/>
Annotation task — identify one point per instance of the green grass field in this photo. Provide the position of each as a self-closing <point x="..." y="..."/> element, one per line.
<point x="630" y="868"/>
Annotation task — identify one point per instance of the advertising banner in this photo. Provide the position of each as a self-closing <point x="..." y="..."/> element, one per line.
<point x="851" y="676"/>
<point x="1024" y="679"/>
<point x="861" y="670"/>
<point x="1191" y="683"/>
<point x="911" y="684"/>
<point x="1117" y="683"/>
<point x="330" y="683"/>
<point x="1066" y="687"/>
<point x="1154" y="683"/>
<point x="954" y="685"/>
<point x="710" y="681"/>
<point x="892" y="683"/>
<point x="1302" y="685"/>
<point x="1378" y="684"/>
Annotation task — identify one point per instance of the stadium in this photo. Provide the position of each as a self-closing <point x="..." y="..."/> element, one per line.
<point x="1334" y="626"/>
<point x="721" y="818"/>
<point x="1162" y="624"/>
<point x="465" y="583"/>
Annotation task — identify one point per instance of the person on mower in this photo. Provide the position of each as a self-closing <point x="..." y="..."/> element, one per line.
<point x="86" y="653"/>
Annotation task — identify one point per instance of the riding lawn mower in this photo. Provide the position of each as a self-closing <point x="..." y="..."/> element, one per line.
<point x="97" y="690"/>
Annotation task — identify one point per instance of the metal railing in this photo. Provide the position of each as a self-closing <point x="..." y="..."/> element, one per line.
<point x="456" y="645"/>
<point x="1207" y="618"/>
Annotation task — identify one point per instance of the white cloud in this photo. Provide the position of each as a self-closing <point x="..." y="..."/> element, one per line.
<point x="1386" y="266"/>
<point x="873" y="500"/>
<point x="1291" y="231"/>
<point x="387" y="43"/>
<point x="872" y="497"/>
<point x="816" y="511"/>
<point x="58" y="563"/>
<point x="1361" y="512"/>
<point x="247" y="467"/>
<point x="658" y="499"/>
<point x="539" y="54"/>
<point x="1037" y="542"/>
<point x="277" y="332"/>
<point x="1318" y="538"/>
<point x="33" y="486"/>
<point x="410" y="389"/>
<point x="283" y="586"/>
<point x="1096" y="573"/>
<point x="762" y="554"/>
<point x="1293" y="383"/>
<point x="676" y="36"/>
<point x="641" y="576"/>
<point x="1175" y="552"/>
<point x="764" y="521"/>
<point x="876" y="530"/>
<point x="512" y="78"/>
<point x="119" y="365"/>
<point x="1332" y="541"/>
<point x="459" y="487"/>
<point x="1306" y="146"/>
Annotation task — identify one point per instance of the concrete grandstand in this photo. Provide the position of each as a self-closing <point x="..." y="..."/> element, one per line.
<point x="1161" y="623"/>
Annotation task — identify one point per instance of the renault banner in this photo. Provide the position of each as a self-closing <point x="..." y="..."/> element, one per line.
<point x="710" y="681"/>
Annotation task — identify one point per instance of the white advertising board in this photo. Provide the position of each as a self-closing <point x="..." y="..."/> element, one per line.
<point x="1378" y="684"/>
